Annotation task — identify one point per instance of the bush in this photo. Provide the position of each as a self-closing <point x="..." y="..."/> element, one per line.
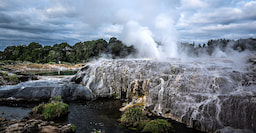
<point x="38" y="109"/>
<point x="157" y="126"/>
<point x="133" y="116"/>
<point x="13" y="78"/>
<point x="54" y="109"/>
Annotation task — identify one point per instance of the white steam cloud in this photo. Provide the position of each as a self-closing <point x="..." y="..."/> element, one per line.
<point x="148" y="25"/>
<point x="142" y="38"/>
<point x="145" y="39"/>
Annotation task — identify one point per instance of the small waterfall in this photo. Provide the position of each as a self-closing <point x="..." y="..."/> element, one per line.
<point x="159" y="107"/>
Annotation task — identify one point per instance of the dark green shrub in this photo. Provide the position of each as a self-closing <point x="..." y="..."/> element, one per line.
<point x="157" y="126"/>
<point x="133" y="117"/>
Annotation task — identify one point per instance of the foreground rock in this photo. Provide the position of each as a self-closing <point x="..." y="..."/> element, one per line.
<point x="32" y="125"/>
<point x="209" y="95"/>
<point x="44" y="90"/>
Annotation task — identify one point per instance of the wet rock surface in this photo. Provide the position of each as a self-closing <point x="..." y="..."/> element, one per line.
<point x="43" y="90"/>
<point x="207" y="95"/>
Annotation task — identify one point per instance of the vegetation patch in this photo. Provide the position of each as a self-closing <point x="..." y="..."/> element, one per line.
<point x="12" y="79"/>
<point x="133" y="117"/>
<point x="4" y="75"/>
<point x="73" y="128"/>
<point x="54" y="109"/>
<point x="157" y="126"/>
<point x="136" y="118"/>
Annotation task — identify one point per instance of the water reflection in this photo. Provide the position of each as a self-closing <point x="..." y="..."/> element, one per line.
<point x="99" y="115"/>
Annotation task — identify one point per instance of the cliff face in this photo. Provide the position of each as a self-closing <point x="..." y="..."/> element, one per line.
<point x="208" y="95"/>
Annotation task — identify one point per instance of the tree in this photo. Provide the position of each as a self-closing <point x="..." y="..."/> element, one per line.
<point x="54" y="56"/>
<point x="34" y="45"/>
<point x="63" y="50"/>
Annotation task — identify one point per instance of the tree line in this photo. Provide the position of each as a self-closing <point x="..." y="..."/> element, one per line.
<point x="63" y="52"/>
<point x="88" y="50"/>
<point x="224" y="45"/>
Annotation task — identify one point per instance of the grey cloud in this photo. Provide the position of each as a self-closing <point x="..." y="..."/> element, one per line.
<point x="5" y="18"/>
<point x="81" y="20"/>
<point x="218" y="19"/>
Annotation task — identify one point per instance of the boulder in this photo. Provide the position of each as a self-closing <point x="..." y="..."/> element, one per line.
<point x="44" y="90"/>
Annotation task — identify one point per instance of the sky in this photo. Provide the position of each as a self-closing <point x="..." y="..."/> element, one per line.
<point x="136" y="22"/>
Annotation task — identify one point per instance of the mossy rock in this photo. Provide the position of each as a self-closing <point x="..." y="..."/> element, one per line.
<point x="157" y="126"/>
<point x="54" y="109"/>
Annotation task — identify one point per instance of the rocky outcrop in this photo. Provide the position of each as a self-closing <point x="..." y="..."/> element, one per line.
<point x="32" y="126"/>
<point x="209" y="94"/>
<point x="44" y="90"/>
